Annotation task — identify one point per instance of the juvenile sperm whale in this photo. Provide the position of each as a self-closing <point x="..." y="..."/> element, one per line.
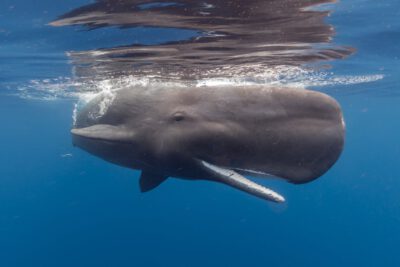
<point x="220" y="134"/>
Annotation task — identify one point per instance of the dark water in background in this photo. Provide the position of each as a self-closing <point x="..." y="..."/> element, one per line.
<point x="63" y="207"/>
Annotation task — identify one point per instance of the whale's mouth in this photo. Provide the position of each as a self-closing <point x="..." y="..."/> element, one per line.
<point x="236" y="180"/>
<point x="105" y="132"/>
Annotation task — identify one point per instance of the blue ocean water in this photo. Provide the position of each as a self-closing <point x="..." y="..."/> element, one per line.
<point x="63" y="207"/>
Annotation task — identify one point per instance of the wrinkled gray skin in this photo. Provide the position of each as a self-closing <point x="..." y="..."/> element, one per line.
<point x="216" y="133"/>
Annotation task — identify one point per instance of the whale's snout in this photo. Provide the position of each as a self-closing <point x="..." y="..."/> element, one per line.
<point x="104" y="132"/>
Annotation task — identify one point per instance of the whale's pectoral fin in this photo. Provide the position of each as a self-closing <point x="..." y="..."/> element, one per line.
<point x="238" y="181"/>
<point x="150" y="180"/>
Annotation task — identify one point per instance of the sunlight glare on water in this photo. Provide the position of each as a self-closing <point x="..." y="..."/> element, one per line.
<point x="68" y="88"/>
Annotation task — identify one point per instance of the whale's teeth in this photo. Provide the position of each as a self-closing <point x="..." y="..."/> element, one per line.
<point x="238" y="181"/>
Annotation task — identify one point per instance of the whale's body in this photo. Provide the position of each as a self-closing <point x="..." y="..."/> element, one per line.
<point x="215" y="133"/>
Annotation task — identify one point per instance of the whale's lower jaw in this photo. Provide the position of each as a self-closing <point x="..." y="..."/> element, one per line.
<point x="150" y="179"/>
<point x="238" y="181"/>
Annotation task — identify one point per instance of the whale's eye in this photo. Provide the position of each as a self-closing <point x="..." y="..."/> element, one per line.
<point x="179" y="116"/>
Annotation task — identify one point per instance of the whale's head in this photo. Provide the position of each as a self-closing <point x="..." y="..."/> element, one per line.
<point x="155" y="127"/>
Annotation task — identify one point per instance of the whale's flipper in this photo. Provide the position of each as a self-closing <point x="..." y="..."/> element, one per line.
<point x="150" y="180"/>
<point x="238" y="181"/>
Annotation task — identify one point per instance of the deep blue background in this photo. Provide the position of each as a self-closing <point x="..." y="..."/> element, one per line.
<point x="60" y="210"/>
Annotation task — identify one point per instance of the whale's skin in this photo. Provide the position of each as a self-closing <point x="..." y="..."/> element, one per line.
<point x="289" y="133"/>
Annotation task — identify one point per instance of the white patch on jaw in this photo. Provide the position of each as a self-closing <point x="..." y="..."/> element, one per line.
<point x="255" y="172"/>
<point x="234" y="179"/>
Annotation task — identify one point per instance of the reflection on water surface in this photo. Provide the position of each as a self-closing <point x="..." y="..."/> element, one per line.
<point x="235" y="38"/>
